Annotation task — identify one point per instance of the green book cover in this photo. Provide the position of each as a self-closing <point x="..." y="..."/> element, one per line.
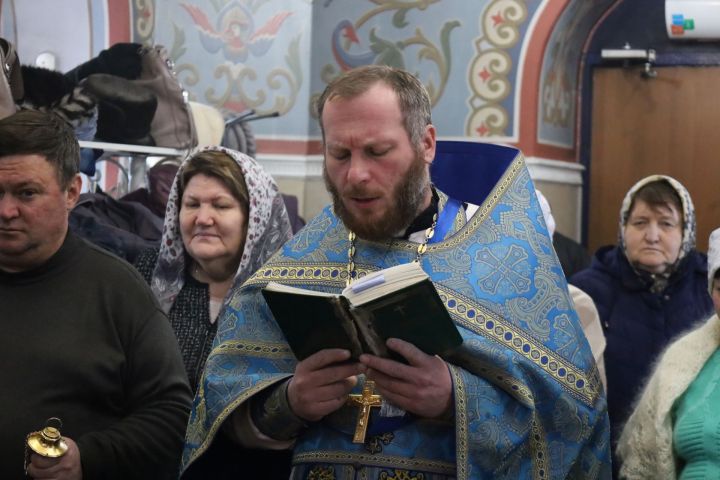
<point x="400" y="302"/>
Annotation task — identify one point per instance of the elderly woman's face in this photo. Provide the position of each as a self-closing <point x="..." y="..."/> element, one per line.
<point x="653" y="236"/>
<point x="212" y="221"/>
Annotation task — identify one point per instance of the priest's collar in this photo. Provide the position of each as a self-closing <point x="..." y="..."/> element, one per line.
<point x="425" y="219"/>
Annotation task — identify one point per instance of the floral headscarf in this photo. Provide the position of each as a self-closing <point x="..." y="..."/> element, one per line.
<point x="268" y="229"/>
<point x="688" y="211"/>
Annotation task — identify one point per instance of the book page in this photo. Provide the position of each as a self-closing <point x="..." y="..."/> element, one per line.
<point x="279" y="287"/>
<point x="383" y="282"/>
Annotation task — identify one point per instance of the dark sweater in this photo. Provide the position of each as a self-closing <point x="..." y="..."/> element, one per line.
<point x="85" y="341"/>
<point x="189" y="318"/>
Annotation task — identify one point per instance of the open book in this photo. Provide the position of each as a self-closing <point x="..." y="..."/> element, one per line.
<point x="399" y="302"/>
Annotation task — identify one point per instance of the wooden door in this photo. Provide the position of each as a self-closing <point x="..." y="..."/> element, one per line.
<point x="641" y="126"/>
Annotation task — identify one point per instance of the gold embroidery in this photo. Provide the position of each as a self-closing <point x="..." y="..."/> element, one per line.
<point x="401" y="475"/>
<point x="381" y="461"/>
<point x="484" y="322"/>
<point x="376" y="442"/>
<point x="461" y="423"/>
<point x="321" y="473"/>
<point x="254" y="349"/>
<point x="226" y="413"/>
<point x="468" y="313"/>
<point x="539" y="450"/>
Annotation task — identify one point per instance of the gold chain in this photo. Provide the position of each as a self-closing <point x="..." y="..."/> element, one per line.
<point x="422" y="248"/>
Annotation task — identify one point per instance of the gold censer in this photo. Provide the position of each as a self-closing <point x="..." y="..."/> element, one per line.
<point x="47" y="442"/>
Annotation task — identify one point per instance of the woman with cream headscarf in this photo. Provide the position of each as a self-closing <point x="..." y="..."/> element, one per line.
<point x="648" y="289"/>
<point x="674" y="431"/>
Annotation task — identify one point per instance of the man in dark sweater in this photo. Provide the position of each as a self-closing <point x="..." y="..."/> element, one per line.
<point x="83" y="338"/>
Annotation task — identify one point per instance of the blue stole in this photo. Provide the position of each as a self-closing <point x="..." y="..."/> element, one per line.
<point x="528" y="399"/>
<point x="445" y="220"/>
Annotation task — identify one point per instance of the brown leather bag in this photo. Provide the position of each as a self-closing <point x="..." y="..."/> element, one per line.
<point x="11" y="84"/>
<point x="172" y="126"/>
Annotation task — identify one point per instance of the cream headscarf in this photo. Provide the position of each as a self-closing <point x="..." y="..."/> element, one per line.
<point x="713" y="257"/>
<point x="659" y="280"/>
<point x="688" y="211"/>
<point x="268" y="229"/>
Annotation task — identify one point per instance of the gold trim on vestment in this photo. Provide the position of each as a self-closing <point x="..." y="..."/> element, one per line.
<point x="462" y="447"/>
<point x="539" y="450"/>
<point x="470" y="314"/>
<point x="484" y="322"/>
<point x="254" y="349"/>
<point x="246" y="394"/>
<point x="375" y="460"/>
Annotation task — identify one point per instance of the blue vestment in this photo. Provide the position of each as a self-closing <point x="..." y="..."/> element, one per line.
<point x="528" y="398"/>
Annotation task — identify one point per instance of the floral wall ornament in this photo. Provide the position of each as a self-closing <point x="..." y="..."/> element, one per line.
<point x="350" y="51"/>
<point x="239" y="97"/>
<point x="235" y="31"/>
<point x="489" y="74"/>
<point x="235" y="39"/>
<point x="144" y="24"/>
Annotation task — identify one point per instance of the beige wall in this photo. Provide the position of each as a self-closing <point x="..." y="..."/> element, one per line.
<point x="565" y="203"/>
<point x="311" y="193"/>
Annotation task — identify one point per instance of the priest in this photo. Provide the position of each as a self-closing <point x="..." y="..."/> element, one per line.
<point x="520" y="398"/>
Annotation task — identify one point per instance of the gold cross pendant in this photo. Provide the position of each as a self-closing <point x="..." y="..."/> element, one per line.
<point x="366" y="400"/>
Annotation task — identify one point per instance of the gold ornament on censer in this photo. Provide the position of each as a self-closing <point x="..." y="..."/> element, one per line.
<point x="47" y="442"/>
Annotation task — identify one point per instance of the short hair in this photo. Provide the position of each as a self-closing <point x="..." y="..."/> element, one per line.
<point x="657" y="194"/>
<point x="218" y="165"/>
<point x="411" y="93"/>
<point x="31" y="132"/>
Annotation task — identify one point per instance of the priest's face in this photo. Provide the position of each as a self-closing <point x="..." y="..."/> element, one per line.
<point x="379" y="181"/>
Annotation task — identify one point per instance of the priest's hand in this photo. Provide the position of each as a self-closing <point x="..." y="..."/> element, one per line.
<point x="67" y="467"/>
<point x="424" y="387"/>
<point x="322" y="383"/>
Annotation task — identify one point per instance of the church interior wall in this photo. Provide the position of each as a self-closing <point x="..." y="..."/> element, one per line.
<point x="479" y="60"/>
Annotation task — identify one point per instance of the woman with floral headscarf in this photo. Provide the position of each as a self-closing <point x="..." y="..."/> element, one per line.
<point x="225" y="217"/>
<point x="648" y="289"/>
<point x="674" y="431"/>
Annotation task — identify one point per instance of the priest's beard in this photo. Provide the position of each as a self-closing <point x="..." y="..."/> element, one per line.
<point x="405" y="205"/>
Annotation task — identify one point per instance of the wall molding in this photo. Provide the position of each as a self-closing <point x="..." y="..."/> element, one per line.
<point x="292" y="166"/>
<point x="555" y="171"/>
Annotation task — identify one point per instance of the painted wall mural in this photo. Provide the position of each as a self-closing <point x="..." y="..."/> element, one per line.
<point x="144" y="21"/>
<point x="559" y="84"/>
<point x="277" y="55"/>
<point x="237" y="55"/>
<point x="447" y="43"/>
<point x="489" y="76"/>
<point x="403" y="46"/>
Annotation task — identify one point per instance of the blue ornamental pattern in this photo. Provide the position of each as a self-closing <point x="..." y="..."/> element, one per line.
<point x="528" y="401"/>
